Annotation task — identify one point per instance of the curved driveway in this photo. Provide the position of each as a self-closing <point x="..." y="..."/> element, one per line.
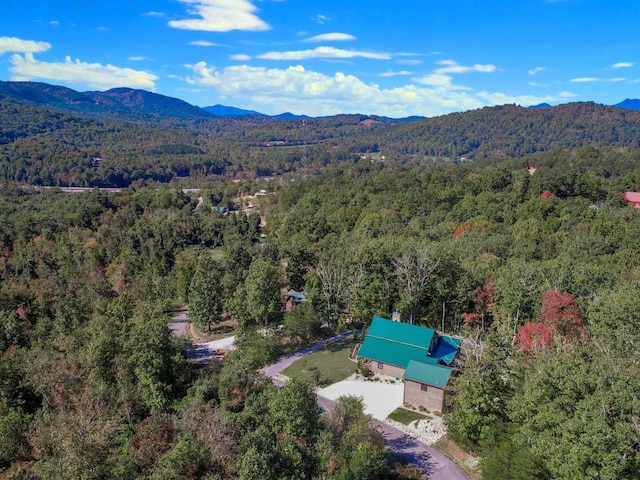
<point x="199" y="352"/>
<point x="430" y="461"/>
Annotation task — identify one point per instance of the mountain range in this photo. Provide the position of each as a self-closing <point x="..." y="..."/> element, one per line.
<point x="143" y="104"/>
<point x="52" y="135"/>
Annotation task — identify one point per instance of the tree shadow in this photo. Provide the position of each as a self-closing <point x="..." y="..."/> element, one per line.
<point x="199" y="354"/>
<point x="409" y="450"/>
<point x="220" y="330"/>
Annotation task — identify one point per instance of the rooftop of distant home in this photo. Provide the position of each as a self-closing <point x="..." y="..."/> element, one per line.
<point x="633" y="198"/>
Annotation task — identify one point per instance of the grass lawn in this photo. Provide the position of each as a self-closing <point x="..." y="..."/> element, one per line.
<point x="406" y="417"/>
<point x="328" y="366"/>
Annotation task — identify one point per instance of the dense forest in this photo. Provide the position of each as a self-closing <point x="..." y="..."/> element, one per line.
<point x="57" y="136"/>
<point x="92" y="384"/>
<point x="535" y="258"/>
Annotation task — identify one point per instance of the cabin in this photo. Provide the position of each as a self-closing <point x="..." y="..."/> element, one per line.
<point x="419" y="356"/>
<point x="293" y="298"/>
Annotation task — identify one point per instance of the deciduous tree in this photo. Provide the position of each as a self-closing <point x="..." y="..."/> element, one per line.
<point x="205" y="296"/>
<point x="413" y="270"/>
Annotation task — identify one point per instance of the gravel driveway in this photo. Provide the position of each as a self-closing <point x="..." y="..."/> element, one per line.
<point x="199" y="352"/>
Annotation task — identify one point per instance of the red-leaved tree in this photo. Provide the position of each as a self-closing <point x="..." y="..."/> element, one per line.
<point x="561" y="323"/>
<point x="483" y="300"/>
<point x="561" y="312"/>
<point x="534" y="337"/>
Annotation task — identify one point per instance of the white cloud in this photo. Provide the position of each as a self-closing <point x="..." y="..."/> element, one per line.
<point x="596" y="79"/>
<point x="54" y="23"/>
<point x="496" y="98"/>
<point x="204" y="43"/>
<point x="394" y="74"/>
<point x="240" y="57"/>
<point x="299" y="90"/>
<point x="93" y="75"/>
<point x="13" y="44"/>
<point x="323" y="52"/>
<point x="451" y="66"/>
<point x="221" y="16"/>
<point x="536" y="70"/>
<point x="439" y="80"/>
<point x="331" y="37"/>
<point x="409" y="61"/>
<point x="622" y="65"/>
<point x="154" y="14"/>
<point x="137" y="58"/>
<point x="321" y="19"/>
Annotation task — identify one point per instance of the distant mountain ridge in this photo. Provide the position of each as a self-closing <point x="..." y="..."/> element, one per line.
<point x="227" y="111"/>
<point x="630" y="104"/>
<point x="115" y="102"/>
<point x="146" y="102"/>
<point x="540" y="105"/>
<point x="141" y="103"/>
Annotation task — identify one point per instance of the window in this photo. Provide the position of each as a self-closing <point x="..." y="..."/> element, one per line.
<point x="380" y="365"/>
<point x="423" y="387"/>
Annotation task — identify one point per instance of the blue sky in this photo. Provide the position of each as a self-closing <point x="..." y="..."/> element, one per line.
<point x="323" y="57"/>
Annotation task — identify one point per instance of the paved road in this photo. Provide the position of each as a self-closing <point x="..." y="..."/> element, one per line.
<point x="430" y="461"/>
<point x="427" y="459"/>
<point x="272" y="371"/>
<point x="199" y="352"/>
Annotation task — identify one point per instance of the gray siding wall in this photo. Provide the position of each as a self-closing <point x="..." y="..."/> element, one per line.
<point x="432" y="399"/>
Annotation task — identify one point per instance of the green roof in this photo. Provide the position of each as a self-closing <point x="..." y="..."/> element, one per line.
<point x="400" y="332"/>
<point x="398" y="343"/>
<point x="428" y="373"/>
<point x="385" y="351"/>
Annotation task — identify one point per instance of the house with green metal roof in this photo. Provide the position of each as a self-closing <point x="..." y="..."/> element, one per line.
<point x="418" y="355"/>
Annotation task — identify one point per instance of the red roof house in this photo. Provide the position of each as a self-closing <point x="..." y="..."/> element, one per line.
<point x="633" y="198"/>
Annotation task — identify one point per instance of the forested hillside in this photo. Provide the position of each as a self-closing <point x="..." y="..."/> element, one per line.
<point x="56" y="136"/>
<point x="527" y="250"/>
<point x="510" y="131"/>
<point x="92" y="384"/>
